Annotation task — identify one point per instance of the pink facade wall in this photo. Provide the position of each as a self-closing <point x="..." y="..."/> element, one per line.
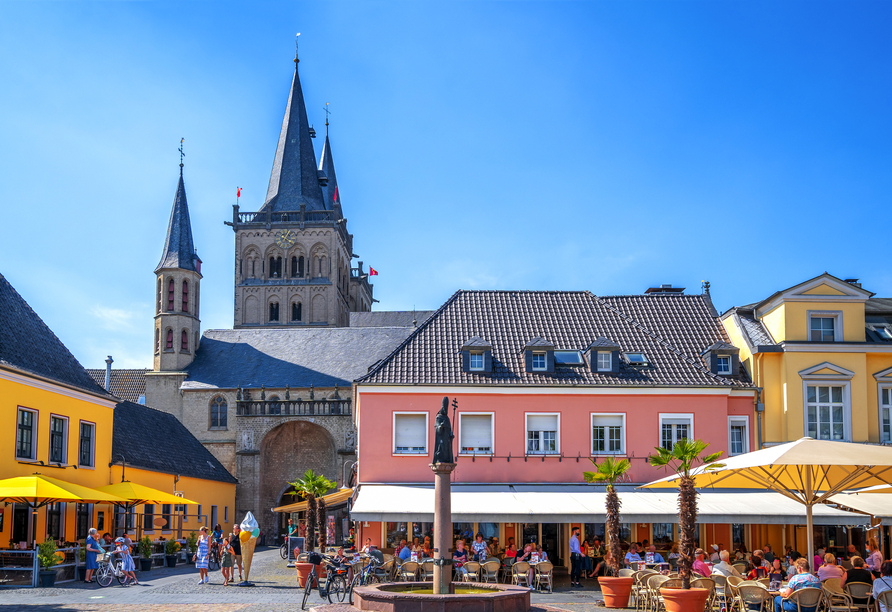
<point x="377" y="463"/>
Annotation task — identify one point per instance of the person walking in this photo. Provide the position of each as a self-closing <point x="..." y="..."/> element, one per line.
<point x="127" y="565"/>
<point x="92" y="549"/>
<point x="226" y="561"/>
<point x="575" y="559"/>
<point x="201" y="556"/>
<point x="236" y="545"/>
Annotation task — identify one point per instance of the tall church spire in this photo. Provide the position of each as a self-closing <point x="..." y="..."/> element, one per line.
<point x="294" y="180"/>
<point x="326" y="166"/>
<point x="179" y="250"/>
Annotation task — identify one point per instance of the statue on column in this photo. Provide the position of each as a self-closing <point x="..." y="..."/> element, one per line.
<point x="443" y="435"/>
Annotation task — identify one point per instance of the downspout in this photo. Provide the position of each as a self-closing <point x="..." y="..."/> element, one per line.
<point x="760" y="408"/>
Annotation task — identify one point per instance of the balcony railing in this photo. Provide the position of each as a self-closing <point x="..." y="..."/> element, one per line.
<point x="294" y="408"/>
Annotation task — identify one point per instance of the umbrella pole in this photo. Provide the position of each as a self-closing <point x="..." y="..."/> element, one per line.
<point x="809" y="519"/>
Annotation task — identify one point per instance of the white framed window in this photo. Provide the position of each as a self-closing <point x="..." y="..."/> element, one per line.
<point x="723" y="364"/>
<point x="543" y="433"/>
<point x="476" y="431"/>
<point x="58" y="439"/>
<point x="824" y="326"/>
<point x="538" y="361"/>
<point x="636" y="359"/>
<point x="608" y="434"/>
<point x="826" y="409"/>
<point x="26" y="434"/>
<point x="738" y="435"/>
<point x="605" y="361"/>
<point x="410" y="433"/>
<point x="86" y="444"/>
<point x="475" y="361"/>
<point x="675" y="427"/>
<point x="568" y="358"/>
<point x="885" y="413"/>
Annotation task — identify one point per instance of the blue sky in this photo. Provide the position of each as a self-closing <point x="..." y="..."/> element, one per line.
<point x="607" y="146"/>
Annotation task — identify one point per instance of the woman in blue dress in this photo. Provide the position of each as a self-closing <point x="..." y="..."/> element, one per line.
<point x="92" y="549"/>
<point x="201" y="556"/>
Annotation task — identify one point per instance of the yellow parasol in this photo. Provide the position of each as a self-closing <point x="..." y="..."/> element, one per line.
<point x="807" y="471"/>
<point x="135" y="494"/>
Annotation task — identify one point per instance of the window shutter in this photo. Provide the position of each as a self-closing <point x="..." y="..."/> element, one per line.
<point x="676" y="421"/>
<point x="528" y="357"/>
<point x="542" y="422"/>
<point x="593" y="360"/>
<point x="549" y="361"/>
<point x="476" y="431"/>
<point x="487" y="361"/>
<point x="613" y="420"/>
<point x="735" y="365"/>
<point x="614" y="362"/>
<point x="410" y="431"/>
<point x="465" y="361"/>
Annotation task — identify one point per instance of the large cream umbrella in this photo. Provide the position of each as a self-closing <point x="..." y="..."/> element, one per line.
<point x="808" y="471"/>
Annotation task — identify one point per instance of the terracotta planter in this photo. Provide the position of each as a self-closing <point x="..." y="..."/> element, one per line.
<point x="685" y="600"/>
<point x="616" y="591"/>
<point x="303" y="570"/>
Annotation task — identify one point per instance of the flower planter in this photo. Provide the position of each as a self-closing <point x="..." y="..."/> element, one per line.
<point x="47" y="578"/>
<point x="685" y="600"/>
<point x="145" y="564"/>
<point x="303" y="570"/>
<point x="81" y="572"/>
<point x="616" y="591"/>
<point x="171" y="560"/>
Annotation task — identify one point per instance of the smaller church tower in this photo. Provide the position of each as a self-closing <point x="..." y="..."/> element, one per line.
<point x="177" y="323"/>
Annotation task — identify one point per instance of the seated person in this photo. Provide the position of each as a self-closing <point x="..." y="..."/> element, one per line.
<point x="830" y="569"/>
<point x="543" y="556"/>
<point x="632" y="556"/>
<point x="757" y="567"/>
<point x="882" y="584"/>
<point x="368" y="545"/>
<point x="776" y="573"/>
<point x="700" y="566"/>
<point x="510" y="552"/>
<point x="652" y="556"/>
<point x="601" y="567"/>
<point x="803" y="579"/>
<point x="405" y="552"/>
<point x="858" y="573"/>
<point x="479" y="548"/>
<point x="460" y="556"/>
<point x="426" y="550"/>
<point x="725" y="568"/>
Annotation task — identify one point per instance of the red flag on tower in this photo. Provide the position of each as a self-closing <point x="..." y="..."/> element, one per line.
<point x="372" y="271"/>
<point x="335" y="199"/>
<point x="238" y="193"/>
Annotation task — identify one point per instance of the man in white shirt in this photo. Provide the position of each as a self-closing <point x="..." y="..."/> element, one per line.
<point x="714" y="557"/>
<point x="724" y="567"/>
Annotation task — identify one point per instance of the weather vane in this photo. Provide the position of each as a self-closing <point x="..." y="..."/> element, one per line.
<point x="182" y="155"/>
<point x="296" y="41"/>
<point x="327" y="113"/>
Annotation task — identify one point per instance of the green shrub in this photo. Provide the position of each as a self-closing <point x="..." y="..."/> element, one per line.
<point x="192" y="542"/>
<point x="145" y="547"/>
<point x="47" y="555"/>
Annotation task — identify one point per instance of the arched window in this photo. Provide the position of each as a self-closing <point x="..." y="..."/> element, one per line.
<point x="185" y="296"/>
<point x="297" y="311"/>
<point x="157" y="341"/>
<point x="275" y="407"/>
<point x="196" y="300"/>
<point x="169" y="344"/>
<point x="171" y="287"/>
<point x="275" y="267"/>
<point x="218" y="412"/>
<point x="293" y="266"/>
<point x="184" y="342"/>
<point x="159" y="297"/>
<point x="274" y="311"/>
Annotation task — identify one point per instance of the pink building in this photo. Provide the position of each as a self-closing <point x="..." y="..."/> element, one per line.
<point x="545" y="381"/>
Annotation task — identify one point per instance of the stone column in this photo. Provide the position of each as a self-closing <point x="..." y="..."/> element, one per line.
<point x="442" y="527"/>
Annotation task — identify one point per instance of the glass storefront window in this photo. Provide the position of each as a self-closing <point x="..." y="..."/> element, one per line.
<point x="489" y="531"/>
<point x="530" y="535"/>
<point x="594" y="530"/>
<point x="463" y="531"/>
<point x="663" y="534"/>
<point x="423" y="530"/>
<point x="395" y="532"/>
<point x="738" y="535"/>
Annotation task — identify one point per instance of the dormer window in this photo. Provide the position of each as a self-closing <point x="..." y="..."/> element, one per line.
<point x="539" y="361"/>
<point x="723" y="365"/>
<point x="722" y="359"/>
<point x="636" y="359"/>
<point x="604" y="356"/>
<point x="605" y="362"/>
<point x="476" y="355"/>
<point x="476" y="361"/>
<point x="822" y="328"/>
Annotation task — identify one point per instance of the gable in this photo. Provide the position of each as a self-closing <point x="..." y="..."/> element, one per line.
<point x="825" y="371"/>
<point x="884" y="376"/>
<point x="824" y="289"/>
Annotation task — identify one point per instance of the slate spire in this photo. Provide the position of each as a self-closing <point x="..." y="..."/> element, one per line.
<point x="179" y="250"/>
<point x="330" y="190"/>
<point x="294" y="179"/>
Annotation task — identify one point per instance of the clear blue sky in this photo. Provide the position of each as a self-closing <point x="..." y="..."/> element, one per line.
<point x="607" y="146"/>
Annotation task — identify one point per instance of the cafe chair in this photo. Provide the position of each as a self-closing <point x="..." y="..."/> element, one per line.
<point x="706" y="583"/>
<point x="721" y="590"/>
<point x="862" y="591"/>
<point x="809" y="597"/>
<point x="472" y="571"/>
<point x="639" y="588"/>
<point x="626" y="572"/>
<point x="427" y="570"/>
<point x="491" y="570"/>
<point x="520" y="574"/>
<point x="835" y="598"/>
<point x="544" y="574"/>
<point x="753" y="597"/>
<point x="408" y="570"/>
<point x="884" y="598"/>
<point x="653" y="599"/>
<point x="740" y="567"/>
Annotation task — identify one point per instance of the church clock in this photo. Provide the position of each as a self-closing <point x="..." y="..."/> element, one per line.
<point x="285" y="239"/>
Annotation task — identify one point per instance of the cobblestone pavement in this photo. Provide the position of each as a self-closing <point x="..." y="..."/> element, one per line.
<point x="164" y="589"/>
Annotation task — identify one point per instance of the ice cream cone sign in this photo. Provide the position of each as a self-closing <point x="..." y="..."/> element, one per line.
<point x="248" y="537"/>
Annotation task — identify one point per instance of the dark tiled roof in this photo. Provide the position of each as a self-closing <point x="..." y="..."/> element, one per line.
<point x="476" y="342"/>
<point x="878" y="306"/>
<point x="129" y="385"/>
<point x="330" y="192"/>
<point x="294" y="178"/>
<point x="179" y="250"/>
<point x="156" y="440"/>
<point x="603" y="342"/>
<point x="322" y="357"/>
<point x="671" y="330"/>
<point x="756" y="332"/>
<point x="389" y="318"/>
<point x="538" y="342"/>
<point x="27" y="344"/>
<point x="720" y="346"/>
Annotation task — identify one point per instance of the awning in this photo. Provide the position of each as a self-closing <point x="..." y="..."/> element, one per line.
<point x="584" y="503"/>
<point x="331" y="500"/>
<point x="875" y="505"/>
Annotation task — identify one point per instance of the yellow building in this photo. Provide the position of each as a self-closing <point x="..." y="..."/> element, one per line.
<point x="821" y="352"/>
<point x="59" y="422"/>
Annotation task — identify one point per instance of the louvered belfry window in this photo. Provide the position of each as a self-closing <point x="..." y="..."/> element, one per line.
<point x="185" y="296"/>
<point x="171" y="288"/>
<point x="169" y="344"/>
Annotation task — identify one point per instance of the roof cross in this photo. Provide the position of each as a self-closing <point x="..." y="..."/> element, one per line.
<point x="327" y="113"/>
<point x="182" y="155"/>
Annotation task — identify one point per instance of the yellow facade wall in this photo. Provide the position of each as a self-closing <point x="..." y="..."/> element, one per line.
<point x="789" y="321"/>
<point x="49" y="399"/>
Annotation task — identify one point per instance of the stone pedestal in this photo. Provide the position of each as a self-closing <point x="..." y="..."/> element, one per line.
<point x="442" y="526"/>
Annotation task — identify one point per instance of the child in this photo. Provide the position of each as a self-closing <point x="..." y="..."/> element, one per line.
<point x="226" y="562"/>
<point x="127" y="565"/>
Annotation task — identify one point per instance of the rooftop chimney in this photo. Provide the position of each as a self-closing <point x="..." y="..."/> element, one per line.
<point x="108" y="363"/>
<point x="853" y="281"/>
<point x="665" y="289"/>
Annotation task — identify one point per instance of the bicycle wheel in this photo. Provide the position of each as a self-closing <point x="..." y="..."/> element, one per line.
<point x="213" y="562"/>
<point x="104" y="575"/>
<point x="308" y="588"/>
<point x="122" y="578"/>
<point x="337" y="589"/>
<point x="283" y="550"/>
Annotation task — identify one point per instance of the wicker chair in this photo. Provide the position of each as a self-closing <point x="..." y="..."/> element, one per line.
<point x="626" y="572"/>
<point x="427" y="569"/>
<point x="808" y="597"/>
<point x="706" y="583"/>
<point x="731" y="583"/>
<point x="639" y="588"/>
<point x="520" y="574"/>
<point x="544" y="575"/>
<point x="835" y="598"/>
<point x="862" y="591"/>
<point x="834" y="584"/>
<point x="740" y="567"/>
<point x="753" y="596"/>
<point x="408" y="571"/>
<point x="653" y="599"/>
<point x="721" y="590"/>
<point x="472" y="571"/>
<point x="884" y="598"/>
<point x="491" y="570"/>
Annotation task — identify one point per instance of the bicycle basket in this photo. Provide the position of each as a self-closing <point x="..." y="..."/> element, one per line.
<point x="103" y="558"/>
<point x="314" y="558"/>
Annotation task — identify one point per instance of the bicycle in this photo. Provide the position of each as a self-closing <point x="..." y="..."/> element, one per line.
<point x="213" y="557"/>
<point x="365" y="576"/>
<point x="108" y="570"/>
<point x="335" y="589"/>
<point x="283" y="549"/>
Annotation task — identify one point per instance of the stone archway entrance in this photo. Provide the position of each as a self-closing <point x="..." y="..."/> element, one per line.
<point x="286" y="452"/>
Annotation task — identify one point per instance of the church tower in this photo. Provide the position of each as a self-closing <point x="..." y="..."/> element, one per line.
<point x="293" y="256"/>
<point x="177" y="321"/>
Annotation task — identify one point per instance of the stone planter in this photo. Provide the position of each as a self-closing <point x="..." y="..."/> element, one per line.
<point x="171" y="560"/>
<point x="48" y="578"/>
<point x="303" y="570"/>
<point x="685" y="600"/>
<point x="616" y="591"/>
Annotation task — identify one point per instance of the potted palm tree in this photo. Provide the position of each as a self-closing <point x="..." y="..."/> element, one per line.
<point x="312" y="486"/>
<point x="48" y="557"/>
<point x="616" y="589"/>
<point x="684" y="458"/>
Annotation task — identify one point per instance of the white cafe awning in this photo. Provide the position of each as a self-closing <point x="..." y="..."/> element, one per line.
<point x="584" y="503"/>
<point x="876" y="504"/>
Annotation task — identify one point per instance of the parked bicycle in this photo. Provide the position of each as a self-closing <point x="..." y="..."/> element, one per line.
<point x="335" y="588"/>
<point x="369" y="574"/>
<point x="110" y="567"/>
<point x="213" y="557"/>
<point x="283" y="549"/>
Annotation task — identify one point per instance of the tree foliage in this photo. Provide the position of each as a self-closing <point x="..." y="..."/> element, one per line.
<point x="684" y="458"/>
<point x="609" y="472"/>
<point x="313" y="486"/>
